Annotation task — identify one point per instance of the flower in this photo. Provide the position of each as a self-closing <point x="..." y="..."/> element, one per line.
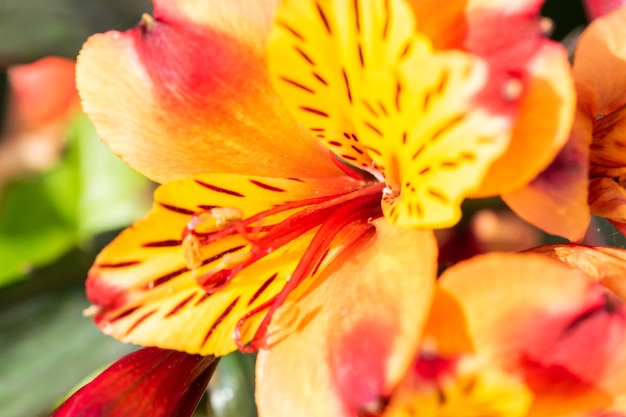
<point x="599" y="61"/>
<point x="254" y="206"/>
<point x="42" y="97"/>
<point x="299" y="177"/>
<point x="506" y="335"/>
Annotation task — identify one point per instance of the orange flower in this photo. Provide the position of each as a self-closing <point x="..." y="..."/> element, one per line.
<point x="42" y="97"/>
<point x="507" y="335"/>
<point x="599" y="63"/>
<point x="256" y="215"/>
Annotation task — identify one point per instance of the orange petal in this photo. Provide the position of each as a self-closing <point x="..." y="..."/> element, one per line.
<point x="355" y="333"/>
<point x="607" y="198"/>
<point x="600" y="60"/>
<point x="543" y="125"/>
<point x="154" y="285"/>
<point x="511" y="301"/>
<point x="604" y="264"/>
<point x="42" y="92"/>
<point x="443" y="22"/>
<point x="484" y="27"/>
<point x="556" y="201"/>
<point x="177" y="96"/>
<point x="520" y="312"/>
<point x="608" y="149"/>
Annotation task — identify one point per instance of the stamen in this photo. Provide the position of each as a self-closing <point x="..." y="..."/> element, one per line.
<point x="330" y="214"/>
<point x="192" y="252"/>
<point x="364" y="208"/>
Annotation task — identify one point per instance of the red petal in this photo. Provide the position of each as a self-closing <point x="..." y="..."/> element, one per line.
<point x="597" y="8"/>
<point x="149" y="382"/>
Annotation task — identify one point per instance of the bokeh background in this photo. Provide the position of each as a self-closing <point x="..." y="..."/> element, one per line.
<point x="63" y="196"/>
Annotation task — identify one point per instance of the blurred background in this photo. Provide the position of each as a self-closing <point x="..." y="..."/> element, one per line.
<point x="63" y="196"/>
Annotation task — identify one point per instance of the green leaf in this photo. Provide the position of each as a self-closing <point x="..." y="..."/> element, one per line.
<point x="89" y="192"/>
<point x="46" y="346"/>
<point x="231" y="391"/>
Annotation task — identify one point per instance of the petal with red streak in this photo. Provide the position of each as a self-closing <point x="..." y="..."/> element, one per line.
<point x="604" y="264"/>
<point x="543" y="124"/>
<point x="355" y="333"/>
<point x="607" y="198"/>
<point x="597" y="8"/>
<point x="524" y="312"/>
<point x="608" y="149"/>
<point x="152" y="287"/>
<point x="148" y="382"/>
<point x="600" y="60"/>
<point x="537" y="295"/>
<point x="177" y="96"/>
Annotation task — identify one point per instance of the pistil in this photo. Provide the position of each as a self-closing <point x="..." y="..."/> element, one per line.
<point x="329" y="214"/>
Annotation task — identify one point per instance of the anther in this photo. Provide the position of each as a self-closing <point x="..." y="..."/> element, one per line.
<point x="147" y="21"/>
<point x="91" y="311"/>
<point x="192" y="251"/>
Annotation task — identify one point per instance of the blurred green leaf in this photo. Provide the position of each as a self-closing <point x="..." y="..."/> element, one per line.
<point x="46" y="346"/>
<point x="90" y="191"/>
<point x="31" y="29"/>
<point x="231" y="391"/>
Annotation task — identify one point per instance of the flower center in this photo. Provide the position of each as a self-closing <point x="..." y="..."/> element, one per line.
<point x="321" y="217"/>
<point x="460" y="386"/>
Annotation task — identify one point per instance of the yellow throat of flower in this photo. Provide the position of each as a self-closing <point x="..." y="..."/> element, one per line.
<point x="368" y="84"/>
<point x="461" y="389"/>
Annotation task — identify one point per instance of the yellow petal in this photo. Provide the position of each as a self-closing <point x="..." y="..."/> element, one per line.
<point x="355" y="333"/>
<point x="155" y="285"/>
<point x="488" y="392"/>
<point x="437" y="140"/>
<point x="386" y="97"/>
<point x="319" y="55"/>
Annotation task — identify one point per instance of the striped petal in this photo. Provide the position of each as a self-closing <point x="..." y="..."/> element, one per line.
<point x="546" y="114"/>
<point x="187" y="92"/>
<point x="510" y="37"/>
<point x="320" y="55"/>
<point x="421" y="116"/>
<point x="608" y="149"/>
<point x="355" y="333"/>
<point x="183" y="279"/>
